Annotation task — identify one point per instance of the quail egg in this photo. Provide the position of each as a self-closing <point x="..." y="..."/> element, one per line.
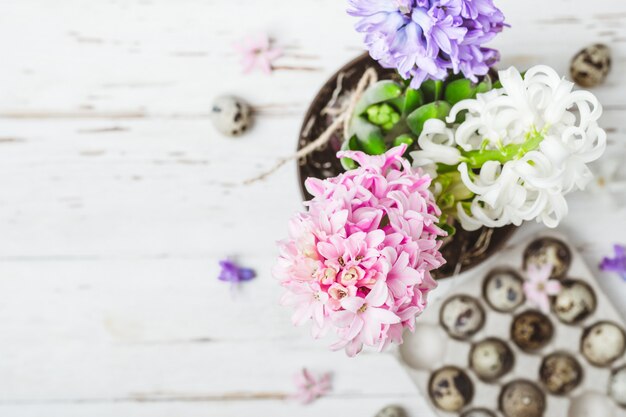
<point x="560" y="373"/>
<point x="504" y="290"/>
<point x="617" y="386"/>
<point x="490" y="359"/>
<point x="531" y="330"/>
<point x="575" y="302"/>
<point x="603" y="343"/>
<point x="462" y="316"/>
<point x="231" y="116"/>
<point x="450" y="389"/>
<point x="549" y="250"/>
<point x="591" y="66"/>
<point x="478" y="412"/>
<point x="522" y="398"/>
<point x="425" y="347"/>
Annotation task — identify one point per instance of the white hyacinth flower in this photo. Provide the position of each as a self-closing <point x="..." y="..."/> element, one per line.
<point x="437" y="145"/>
<point x="521" y="148"/>
<point x="609" y="182"/>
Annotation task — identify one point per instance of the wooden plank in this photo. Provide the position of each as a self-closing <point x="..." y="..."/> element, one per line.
<point x="117" y="199"/>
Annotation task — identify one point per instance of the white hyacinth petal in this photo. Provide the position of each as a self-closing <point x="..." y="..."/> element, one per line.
<point x="545" y="132"/>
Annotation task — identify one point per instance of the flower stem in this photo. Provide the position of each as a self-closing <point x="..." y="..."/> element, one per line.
<point x="476" y="159"/>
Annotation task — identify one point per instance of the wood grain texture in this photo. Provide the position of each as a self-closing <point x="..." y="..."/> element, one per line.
<point x="117" y="199"/>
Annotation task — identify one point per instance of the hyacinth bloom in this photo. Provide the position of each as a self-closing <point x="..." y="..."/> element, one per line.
<point x="257" y="51"/>
<point x="233" y="273"/>
<point x="309" y="387"/>
<point x="358" y="262"/>
<point x="616" y="264"/>
<point x="426" y="39"/>
<point x="539" y="287"/>
<point x="364" y="316"/>
<point x="520" y="149"/>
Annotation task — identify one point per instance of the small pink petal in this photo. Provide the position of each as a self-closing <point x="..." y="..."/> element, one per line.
<point x="355" y="328"/>
<point x="553" y="287"/>
<point x="383" y="316"/>
<point x="352" y="304"/>
<point x="544" y="304"/>
<point x="273" y="54"/>
<point x="353" y="348"/>
<point x="264" y="64"/>
<point x="248" y="62"/>
<point x="378" y="295"/>
<point x="343" y="318"/>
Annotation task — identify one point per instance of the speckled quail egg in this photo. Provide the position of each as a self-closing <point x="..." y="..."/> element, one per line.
<point x="391" y="411"/>
<point x="591" y="66"/>
<point x="462" y="316"/>
<point x="575" y="302"/>
<point x="531" y="330"/>
<point x="522" y="398"/>
<point x="450" y="389"/>
<point x="603" y="343"/>
<point x="560" y="373"/>
<point x="504" y="290"/>
<point x="478" y="412"/>
<point x="617" y="386"/>
<point x="231" y="116"/>
<point x="490" y="359"/>
<point x="549" y="250"/>
<point x="590" y="404"/>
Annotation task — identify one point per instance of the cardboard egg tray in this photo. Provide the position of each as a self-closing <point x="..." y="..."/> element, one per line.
<point x="431" y="347"/>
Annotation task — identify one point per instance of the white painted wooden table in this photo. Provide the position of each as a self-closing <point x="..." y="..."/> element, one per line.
<point x="114" y="209"/>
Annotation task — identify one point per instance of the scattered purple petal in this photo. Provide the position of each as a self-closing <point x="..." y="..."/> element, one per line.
<point x="310" y="388"/>
<point x="616" y="264"/>
<point x="233" y="273"/>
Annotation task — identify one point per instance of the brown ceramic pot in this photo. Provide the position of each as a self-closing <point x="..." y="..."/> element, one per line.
<point x="464" y="250"/>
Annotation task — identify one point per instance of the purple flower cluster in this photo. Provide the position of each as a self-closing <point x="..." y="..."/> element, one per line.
<point x="427" y="38"/>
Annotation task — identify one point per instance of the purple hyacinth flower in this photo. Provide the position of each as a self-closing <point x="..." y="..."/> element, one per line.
<point x="233" y="273"/>
<point x="616" y="264"/>
<point x="428" y="39"/>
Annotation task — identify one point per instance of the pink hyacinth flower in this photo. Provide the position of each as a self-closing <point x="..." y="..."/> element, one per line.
<point x="363" y="319"/>
<point x="357" y="264"/>
<point x="310" y="388"/>
<point x="539" y="287"/>
<point x="257" y="52"/>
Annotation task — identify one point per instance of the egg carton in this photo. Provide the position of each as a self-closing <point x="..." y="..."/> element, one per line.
<point x="485" y="350"/>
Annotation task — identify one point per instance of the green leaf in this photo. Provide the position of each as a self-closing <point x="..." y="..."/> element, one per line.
<point x="463" y="89"/>
<point x="397" y="103"/>
<point x="459" y="90"/>
<point x="446" y="201"/>
<point x="485" y="85"/>
<point x="349" y="145"/>
<point x="432" y="90"/>
<point x="407" y="139"/>
<point x="417" y="119"/>
<point x="412" y="100"/>
<point x="448" y="228"/>
<point x="452" y="185"/>
<point x="378" y="93"/>
<point x="428" y="91"/>
<point x="370" y="137"/>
